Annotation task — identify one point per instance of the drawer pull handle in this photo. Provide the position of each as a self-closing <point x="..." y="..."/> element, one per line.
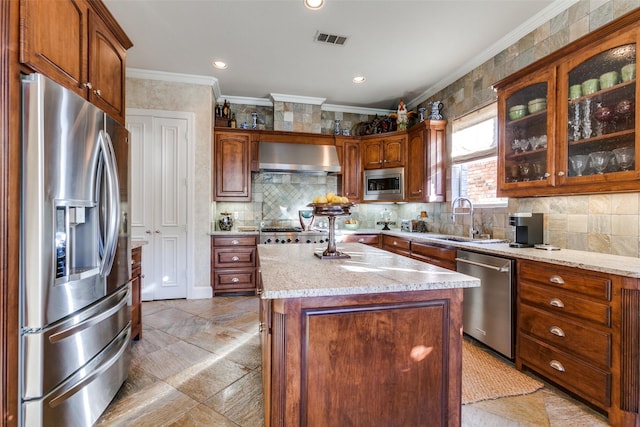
<point x="235" y="259"/>
<point x="556" y="302"/>
<point x="556" y="365"/>
<point x="235" y="280"/>
<point x="556" y="279"/>
<point x="361" y="240"/>
<point x="235" y="242"/>
<point x="555" y="330"/>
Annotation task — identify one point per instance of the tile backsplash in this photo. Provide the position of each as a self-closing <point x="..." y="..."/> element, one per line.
<point x="604" y="223"/>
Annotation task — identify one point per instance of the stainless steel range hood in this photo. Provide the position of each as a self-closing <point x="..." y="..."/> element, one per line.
<point x="305" y="158"/>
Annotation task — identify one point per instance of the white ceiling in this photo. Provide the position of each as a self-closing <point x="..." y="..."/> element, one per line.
<point x="406" y="48"/>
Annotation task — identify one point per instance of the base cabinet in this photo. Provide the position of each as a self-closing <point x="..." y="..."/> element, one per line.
<point x="579" y="329"/>
<point x="353" y="360"/>
<point x="367" y="239"/>
<point x="233" y="264"/>
<point x="436" y="255"/>
<point x="136" y="297"/>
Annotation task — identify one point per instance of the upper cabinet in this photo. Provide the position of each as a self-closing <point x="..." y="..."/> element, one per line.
<point x="386" y="151"/>
<point x="78" y="44"/>
<point x="350" y="179"/>
<point x="426" y="162"/>
<point x="567" y="122"/>
<point x="232" y="166"/>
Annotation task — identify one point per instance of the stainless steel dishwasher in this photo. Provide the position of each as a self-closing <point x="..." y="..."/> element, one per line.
<point x="488" y="309"/>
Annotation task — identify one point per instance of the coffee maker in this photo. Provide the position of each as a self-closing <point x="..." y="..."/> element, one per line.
<point x="528" y="229"/>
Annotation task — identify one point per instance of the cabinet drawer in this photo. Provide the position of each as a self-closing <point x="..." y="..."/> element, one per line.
<point x="234" y="241"/>
<point x="397" y="245"/>
<point x="587" y="381"/>
<point x="367" y="239"/>
<point x="588" y="343"/>
<point x="234" y="279"/>
<point x="442" y="257"/>
<point x="557" y="301"/>
<point x="234" y="257"/>
<point x="587" y="283"/>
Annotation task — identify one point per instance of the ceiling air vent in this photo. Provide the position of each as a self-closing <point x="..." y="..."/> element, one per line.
<point x="333" y="39"/>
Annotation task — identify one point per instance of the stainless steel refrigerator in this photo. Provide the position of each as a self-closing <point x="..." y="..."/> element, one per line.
<point x="75" y="257"/>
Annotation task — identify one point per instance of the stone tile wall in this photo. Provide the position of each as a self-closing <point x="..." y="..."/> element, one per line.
<point x="606" y="223"/>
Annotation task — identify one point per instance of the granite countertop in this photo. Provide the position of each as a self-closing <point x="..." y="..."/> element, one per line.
<point x="292" y="271"/>
<point x="593" y="261"/>
<point x="136" y="243"/>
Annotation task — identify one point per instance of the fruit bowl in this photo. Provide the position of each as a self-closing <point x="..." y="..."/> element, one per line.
<point x="350" y="226"/>
<point x="328" y="209"/>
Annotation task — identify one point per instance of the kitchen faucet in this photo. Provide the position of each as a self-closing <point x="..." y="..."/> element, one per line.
<point x="459" y="201"/>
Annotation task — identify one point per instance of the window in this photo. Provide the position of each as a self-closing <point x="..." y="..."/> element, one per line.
<point x="474" y="171"/>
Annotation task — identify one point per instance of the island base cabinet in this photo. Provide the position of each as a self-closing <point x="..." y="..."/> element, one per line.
<point x="376" y="360"/>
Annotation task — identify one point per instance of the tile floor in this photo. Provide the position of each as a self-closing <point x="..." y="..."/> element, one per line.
<point x="198" y="364"/>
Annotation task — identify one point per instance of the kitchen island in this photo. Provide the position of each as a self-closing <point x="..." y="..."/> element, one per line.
<point x="372" y="340"/>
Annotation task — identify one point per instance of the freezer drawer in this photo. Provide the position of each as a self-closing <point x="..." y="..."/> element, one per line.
<point x="82" y="398"/>
<point x="52" y="354"/>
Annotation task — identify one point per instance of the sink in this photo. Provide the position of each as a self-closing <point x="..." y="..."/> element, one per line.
<point x="467" y="239"/>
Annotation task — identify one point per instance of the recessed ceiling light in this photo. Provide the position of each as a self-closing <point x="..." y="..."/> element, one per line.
<point x="314" y="4"/>
<point x="359" y="79"/>
<point x="220" y="65"/>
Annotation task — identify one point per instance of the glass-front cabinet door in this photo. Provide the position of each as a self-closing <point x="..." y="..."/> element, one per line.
<point x="597" y="96"/>
<point x="526" y="139"/>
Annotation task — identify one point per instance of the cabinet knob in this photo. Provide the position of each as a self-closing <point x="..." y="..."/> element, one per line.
<point x="98" y="92"/>
<point x="235" y="280"/>
<point x="556" y="365"/>
<point x="88" y="85"/>
<point x="395" y="243"/>
<point x="557" y="331"/>
<point x="157" y="231"/>
<point x="234" y="242"/>
<point x="148" y="231"/>
<point x="556" y="302"/>
<point x="556" y="279"/>
<point x="235" y="258"/>
<point x="547" y="174"/>
<point x="560" y="173"/>
<point x="360" y="240"/>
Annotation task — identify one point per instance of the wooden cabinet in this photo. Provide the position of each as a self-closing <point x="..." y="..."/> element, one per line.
<point x="350" y="180"/>
<point x="426" y="162"/>
<point x="232" y="162"/>
<point x="434" y="254"/>
<point x="367" y="239"/>
<point x="577" y="126"/>
<point x="78" y="44"/>
<point x="398" y="245"/>
<point x="579" y="329"/>
<point x="233" y="264"/>
<point x="319" y="355"/>
<point x="136" y="288"/>
<point x="386" y="151"/>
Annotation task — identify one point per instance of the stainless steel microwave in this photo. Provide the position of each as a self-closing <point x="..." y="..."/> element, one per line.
<point x="385" y="185"/>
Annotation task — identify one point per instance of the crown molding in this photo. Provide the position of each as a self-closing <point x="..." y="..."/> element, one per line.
<point x="355" y="110"/>
<point x="245" y="100"/>
<point x="138" y="73"/>
<point x="280" y="97"/>
<point x="542" y="17"/>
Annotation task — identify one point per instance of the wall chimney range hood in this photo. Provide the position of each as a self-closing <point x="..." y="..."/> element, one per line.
<point x="304" y="158"/>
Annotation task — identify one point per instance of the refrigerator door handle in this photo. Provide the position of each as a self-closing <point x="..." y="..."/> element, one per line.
<point x="112" y="216"/>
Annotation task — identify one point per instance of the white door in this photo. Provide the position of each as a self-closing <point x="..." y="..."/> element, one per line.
<point x="159" y="203"/>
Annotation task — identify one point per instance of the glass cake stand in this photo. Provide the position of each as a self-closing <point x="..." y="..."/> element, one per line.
<point x="331" y="210"/>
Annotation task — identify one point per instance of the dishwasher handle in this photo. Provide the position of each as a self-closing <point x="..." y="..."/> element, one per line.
<point x="503" y="269"/>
